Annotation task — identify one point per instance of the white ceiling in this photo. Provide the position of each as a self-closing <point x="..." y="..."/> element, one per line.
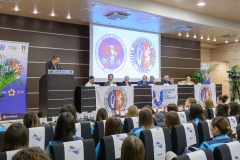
<point x="147" y="19"/>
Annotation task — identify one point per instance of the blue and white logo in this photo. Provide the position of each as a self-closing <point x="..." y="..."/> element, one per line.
<point x="157" y="100"/>
<point x="189" y="130"/>
<point x="119" y="137"/>
<point x="2" y="47"/>
<point x="36" y="137"/>
<point x="74" y="150"/>
<point x="159" y="144"/>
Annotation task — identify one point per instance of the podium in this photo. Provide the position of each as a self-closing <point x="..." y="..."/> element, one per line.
<point x="55" y="89"/>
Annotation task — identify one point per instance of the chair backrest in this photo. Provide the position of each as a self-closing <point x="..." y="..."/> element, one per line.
<point x="234" y="121"/>
<point x="205" y="154"/>
<point x="99" y="131"/>
<point x="40" y="136"/>
<point x="205" y="113"/>
<point x="110" y="146"/>
<point x="1" y="137"/>
<point x="228" y="151"/>
<point x="80" y="150"/>
<point x="8" y="154"/>
<point x="157" y="142"/>
<point x="183" y="136"/>
<point x="211" y="113"/>
<point x="130" y="123"/>
<point x="83" y="129"/>
<point x="204" y="131"/>
<point x="183" y="117"/>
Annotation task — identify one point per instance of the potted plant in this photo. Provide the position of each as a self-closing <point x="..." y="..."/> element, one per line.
<point x="235" y="68"/>
<point x="200" y="75"/>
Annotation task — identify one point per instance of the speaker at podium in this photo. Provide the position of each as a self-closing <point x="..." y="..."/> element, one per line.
<point x="56" y="88"/>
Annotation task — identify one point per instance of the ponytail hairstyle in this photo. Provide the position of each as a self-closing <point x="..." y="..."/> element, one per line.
<point x="222" y="110"/>
<point x="223" y="98"/>
<point x="223" y="125"/>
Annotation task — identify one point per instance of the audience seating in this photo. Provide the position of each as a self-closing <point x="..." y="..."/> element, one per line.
<point x="234" y="121"/>
<point x="184" y="135"/>
<point x="211" y="113"/>
<point x="130" y="123"/>
<point x="197" y="155"/>
<point x="99" y="131"/>
<point x="204" y="131"/>
<point x="40" y="136"/>
<point x="74" y="150"/>
<point x="8" y="154"/>
<point x="228" y="151"/>
<point x="183" y="116"/>
<point x="1" y="137"/>
<point x="205" y="113"/>
<point x="83" y="129"/>
<point x="157" y="142"/>
<point x="110" y="146"/>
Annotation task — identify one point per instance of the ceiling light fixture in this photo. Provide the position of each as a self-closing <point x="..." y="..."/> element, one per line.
<point x="201" y="37"/>
<point x="208" y="38"/>
<point x="35" y="11"/>
<point x="179" y="34"/>
<point x="68" y="16"/>
<point x="195" y="36"/>
<point x="201" y="3"/>
<point x="187" y="35"/>
<point x="16" y="8"/>
<point x="236" y="40"/>
<point x="214" y="39"/>
<point x="226" y="41"/>
<point x="52" y="14"/>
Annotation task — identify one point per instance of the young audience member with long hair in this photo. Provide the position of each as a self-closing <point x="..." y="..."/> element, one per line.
<point x="172" y="107"/>
<point x="112" y="126"/>
<point x="189" y="102"/>
<point x="172" y="119"/>
<point x="132" y="111"/>
<point x="220" y="129"/>
<point x="33" y="153"/>
<point x="222" y="110"/>
<point x="31" y="120"/>
<point x="65" y="130"/>
<point x="71" y="109"/>
<point x="16" y="137"/>
<point x="132" y="149"/>
<point x="101" y="115"/>
<point x="196" y="113"/>
<point x="222" y="99"/>
<point x="234" y="109"/>
<point x="208" y="104"/>
<point x="145" y="121"/>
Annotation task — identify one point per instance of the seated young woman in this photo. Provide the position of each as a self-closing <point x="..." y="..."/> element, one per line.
<point x="31" y="120"/>
<point x="222" y="99"/>
<point x="101" y="115"/>
<point x="16" y="137"/>
<point x="65" y="130"/>
<point x="33" y="153"/>
<point x="112" y="126"/>
<point x="208" y="104"/>
<point x="172" y="119"/>
<point x="234" y="109"/>
<point x="71" y="109"/>
<point x="196" y="113"/>
<point x="188" y="103"/>
<point x="222" y="110"/>
<point x="145" y="121"/>
<point x="220" y="129"/>
<point x="132" y="149"/>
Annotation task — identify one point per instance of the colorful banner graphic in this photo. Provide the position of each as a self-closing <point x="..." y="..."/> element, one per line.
<point x="114" y="98"/>
<point x="13" y="79"/>
<point x="203" y="92"/>
<point x="163" y="95"/>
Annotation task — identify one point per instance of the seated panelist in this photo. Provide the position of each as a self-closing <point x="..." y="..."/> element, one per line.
<point x="125" y="82"/>
<point x="110" y="81"/>
<point x="186" y="82"/>
<point x="143" y="82"/>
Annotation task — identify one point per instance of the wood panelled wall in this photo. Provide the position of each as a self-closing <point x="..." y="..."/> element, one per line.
<point x="46" y="39"/>
<point x="179" y="58"/>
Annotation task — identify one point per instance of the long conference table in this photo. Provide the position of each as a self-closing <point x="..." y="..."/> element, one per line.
<point x="85" y="97"/>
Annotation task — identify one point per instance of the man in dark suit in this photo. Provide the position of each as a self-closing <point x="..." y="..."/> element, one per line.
<point x="125" y="82"/>
<point x="166" y="80"/>
<point x="53" y="64"/>
<point x="152" y="80"/>
<point x="110" y="81"/>
<point x="143" y="82"/>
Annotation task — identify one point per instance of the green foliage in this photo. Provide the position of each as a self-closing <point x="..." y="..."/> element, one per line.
<point x="200" y="74"/>
<point x="235" y="68"/>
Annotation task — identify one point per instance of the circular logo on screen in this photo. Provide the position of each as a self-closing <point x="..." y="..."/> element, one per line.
<point x="115" y="99"/>
<point x="143" y="55"/>
<point x="13" y="67"/>
<point x="110" y="53"/>
<point x="205" y="93"/>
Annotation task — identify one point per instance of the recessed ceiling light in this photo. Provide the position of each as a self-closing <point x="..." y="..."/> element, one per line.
<point x="195" y="36"/>
<point x="226" y="41"/>
<point x="52" y="14"/>
<point x="187" y="35"/>
<point x="35" y="11"/>
<point x="236" y="40"/>
<point x="68" y="16"/>
<point x="208" y="38"/>
<point x="179" y="34"/>
<point x="16" y="8"/>
<point x="201" y="4"/>
<point x="201" y="37"/>
<point x="214" y="39"/>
